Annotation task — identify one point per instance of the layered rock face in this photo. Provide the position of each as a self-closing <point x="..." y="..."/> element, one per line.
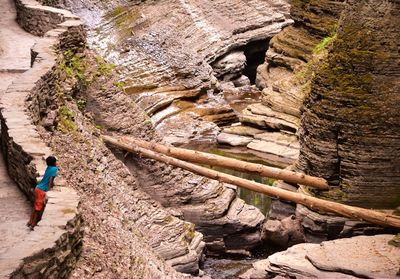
<point x="350" y="123"/>
<point x="166" y="56"/>
<point x="124" y="227"/>
<point x="357" y="257"/>
<point x="228" y="223"/>
<point x="282" y="76"/>
<point x="163" y="56"/>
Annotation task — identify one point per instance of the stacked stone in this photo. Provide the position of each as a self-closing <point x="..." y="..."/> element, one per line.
<point x="38" y="19"/>
<point x="52" y="249"/>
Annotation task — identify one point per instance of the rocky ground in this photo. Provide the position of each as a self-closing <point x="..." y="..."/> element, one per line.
<point x="357" y="257"/>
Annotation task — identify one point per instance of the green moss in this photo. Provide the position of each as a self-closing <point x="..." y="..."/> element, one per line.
<point x="189" y="231"/>
<point x="118" y="11"/>
<point x="120" y="85"/>
<point x="73" y="65"/>
<point x="323" y="44"/>
<point x="395" y="241"/>
<point x="66" y="123"/>
<point x="98" y="126"/>
<point x="81" y="103"/>
<point x="103" y="68"/>
<point x="335" y="194"/>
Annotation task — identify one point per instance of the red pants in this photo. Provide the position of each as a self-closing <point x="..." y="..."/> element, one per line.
<point x="40" y="196"/>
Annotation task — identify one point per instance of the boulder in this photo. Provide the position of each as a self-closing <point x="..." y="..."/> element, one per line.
<point x="230" y="66"/>
<point x="241" y="81"/>
<point x="284" y="233"/>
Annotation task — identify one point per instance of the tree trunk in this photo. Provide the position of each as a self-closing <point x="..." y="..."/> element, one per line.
<point x="353" y="212"/>
<point x="220" y="161"/>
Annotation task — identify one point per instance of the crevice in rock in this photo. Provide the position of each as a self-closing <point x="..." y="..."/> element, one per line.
<point x="255" y="56"/>
<point x="241" y="63"/>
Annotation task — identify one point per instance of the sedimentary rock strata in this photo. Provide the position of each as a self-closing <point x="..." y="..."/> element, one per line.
<point x="281" y="77"/>
<point x="124" y="227"/>
<point x="350" y="122"/>
<point x="209" y="204"/>
<point x="357" y="257"/>
<point x="164" y="56"/>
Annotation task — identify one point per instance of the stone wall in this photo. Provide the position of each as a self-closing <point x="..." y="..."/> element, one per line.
<point x="52" y="249"/>
<point x="38" y="19"/>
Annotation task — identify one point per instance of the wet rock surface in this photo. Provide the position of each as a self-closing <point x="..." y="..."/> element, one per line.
<point x="343" y="258"/>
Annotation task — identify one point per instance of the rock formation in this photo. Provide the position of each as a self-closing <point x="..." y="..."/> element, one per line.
<point x="350" y="122"/>
<point x="283" y="75"/>
<point x="162" y="58"/>
<point x="227" y="222"/>
<point x="125" y="228"/>
<point x="357" y="257"/>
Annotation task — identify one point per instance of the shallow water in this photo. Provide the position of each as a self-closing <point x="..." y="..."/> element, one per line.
<point x="260" y="201"/>
<point x="226" y="268"/>
<point x="230" y="268"/>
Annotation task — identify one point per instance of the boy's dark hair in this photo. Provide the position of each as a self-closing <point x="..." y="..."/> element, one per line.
<point x="51" y="161"/>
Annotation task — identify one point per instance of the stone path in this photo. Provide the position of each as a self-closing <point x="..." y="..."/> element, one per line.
<point x="15" y="210"/>
<point x="15" y="43"/>
<point x="15" y="46"/>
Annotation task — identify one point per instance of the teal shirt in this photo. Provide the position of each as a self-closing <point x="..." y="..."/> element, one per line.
<point x="51" y="171"/>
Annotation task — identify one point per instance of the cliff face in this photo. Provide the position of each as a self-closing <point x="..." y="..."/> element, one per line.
<point x="350" y="128"/>
<point x="282" y="76"/>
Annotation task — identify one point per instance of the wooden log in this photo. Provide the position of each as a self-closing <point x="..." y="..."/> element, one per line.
<point x="353" y="212"/>
<point x="220" y="161"/>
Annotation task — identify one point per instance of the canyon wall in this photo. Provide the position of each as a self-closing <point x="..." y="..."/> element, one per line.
<point x="350" y="122"/>
<point x="348" y="129"/>
<point x="162" y="58"/>
<point x="284" y="74"/>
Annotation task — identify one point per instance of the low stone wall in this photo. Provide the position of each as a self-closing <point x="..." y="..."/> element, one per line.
<point x="52" y="249"/>
<point x="38" y="19"/>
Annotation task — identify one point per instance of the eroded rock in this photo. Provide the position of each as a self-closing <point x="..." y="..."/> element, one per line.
<point x="230" y="66"/>
<point x="349" y="132"/>
<point x="362" y="256"/>
<point x="234" y="140"/>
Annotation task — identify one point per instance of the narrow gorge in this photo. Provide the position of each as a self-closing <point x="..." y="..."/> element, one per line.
<point x="307" y="86"/>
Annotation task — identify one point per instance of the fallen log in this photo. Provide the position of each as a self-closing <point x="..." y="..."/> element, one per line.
<point x="220" y="161"/>
<point x="353" y="212"/>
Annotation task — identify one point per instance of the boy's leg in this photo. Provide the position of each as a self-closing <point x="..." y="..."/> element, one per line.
<point x="31" y="218"/>
<point x="35" y="215"/>
<point x="37" y="208"/>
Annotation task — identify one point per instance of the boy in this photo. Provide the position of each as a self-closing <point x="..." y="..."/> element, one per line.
<point x="41" y="189"/>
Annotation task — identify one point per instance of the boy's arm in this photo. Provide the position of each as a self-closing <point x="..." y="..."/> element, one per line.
<point x="51" y="182"/>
